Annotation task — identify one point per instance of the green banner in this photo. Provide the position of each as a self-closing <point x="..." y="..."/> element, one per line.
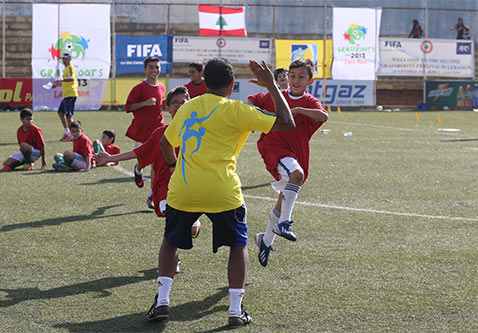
<point x="452" y="93"/>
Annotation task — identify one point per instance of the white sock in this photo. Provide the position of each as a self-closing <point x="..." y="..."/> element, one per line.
<point x="164" y="287"/>
<point x="137" y="170"/>
<point x="289" y="196"/>
<point x="269" y="236"/>
<point x="67" y="131"/>
<point x="235" y="297"/>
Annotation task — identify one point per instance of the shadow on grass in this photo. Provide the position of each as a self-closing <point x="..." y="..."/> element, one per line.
<point x="137" y="322"/>
<point x="251" y="187"/>
<point x="459" y="140"/>
<point x="100" y="286"/>
<point x="96" y="215"/>
<point x="111" y="180"/>
<point x="9" y="144"/>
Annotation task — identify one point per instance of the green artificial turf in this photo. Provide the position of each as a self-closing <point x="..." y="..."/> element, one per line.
<point x="387" y="227"/>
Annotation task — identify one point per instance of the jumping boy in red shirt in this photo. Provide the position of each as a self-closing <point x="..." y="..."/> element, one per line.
<point x="197" y="85"/>
<point x="144" y="101"/>
<point x="80" y="158"/>
<point x="286" y="154"/>
<point x="31" y="143"/>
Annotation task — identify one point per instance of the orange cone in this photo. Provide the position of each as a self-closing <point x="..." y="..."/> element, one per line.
<point x="338" y="109"/>
<point x="438" y="118"/>
<point x="416" y="115"/>
<point x="329" y="109"/>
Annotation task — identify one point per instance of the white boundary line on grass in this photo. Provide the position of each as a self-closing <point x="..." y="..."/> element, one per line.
<point x="364" y="210"/>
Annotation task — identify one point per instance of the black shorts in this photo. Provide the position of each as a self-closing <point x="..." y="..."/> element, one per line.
<point x="228" y="228"/>
<point x="67" y="106"/>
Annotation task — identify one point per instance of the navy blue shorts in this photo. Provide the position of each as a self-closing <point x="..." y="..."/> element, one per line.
<point x="67" y="106"/>
<point x="228" y="228"/>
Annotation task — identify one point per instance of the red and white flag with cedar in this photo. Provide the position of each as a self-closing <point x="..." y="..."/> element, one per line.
<point x="221" y="21"/>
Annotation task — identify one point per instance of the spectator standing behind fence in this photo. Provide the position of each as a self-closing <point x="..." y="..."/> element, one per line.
<point x="459" y="28"/>
<point x="417" y="31"/>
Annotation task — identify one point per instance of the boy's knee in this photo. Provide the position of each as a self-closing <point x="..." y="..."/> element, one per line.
<point x="69" y="154"/>
<point x="296" y="177"/>
<point x="25" y="146"/>
<point x="96" y="142"/>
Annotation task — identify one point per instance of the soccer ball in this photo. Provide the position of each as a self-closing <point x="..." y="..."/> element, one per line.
<point x="379" y="108"/>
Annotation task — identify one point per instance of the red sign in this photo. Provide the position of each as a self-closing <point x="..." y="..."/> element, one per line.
<point x="16" y="92"/>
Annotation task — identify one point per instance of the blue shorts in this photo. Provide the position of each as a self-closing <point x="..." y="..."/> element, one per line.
<point x="228" y="228"/>
<point x="67" y="106"/>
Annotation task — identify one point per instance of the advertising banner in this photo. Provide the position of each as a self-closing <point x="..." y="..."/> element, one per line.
<point x="132" y="50"/>
<point x="355" y="37"/>
<point x="15" y="92"/>
<point x="318" y="51"/>
<point x="344" y="92"/>
<point x="118" y="89"/>
<point x="236" y="49"/>
<point x="452" y="93"/>
<point x="90" y="95"/>
<point x="426" y="57"/>
<point x="242" y="88"/>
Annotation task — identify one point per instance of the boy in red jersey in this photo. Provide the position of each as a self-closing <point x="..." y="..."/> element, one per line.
<point x="197" y="85"/>
<point x="150" y="153"/>
<point x="31" y="142"/>
<point x="80" y="158"/>
<point x="144" y="101"/>
<point x="107" y="139"/>
<point x="286" y="154"/>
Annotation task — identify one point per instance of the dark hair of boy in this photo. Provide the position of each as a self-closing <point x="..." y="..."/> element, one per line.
<point x="218" y="73"/>
<point x="26" y="113"/>
<point x="307" y="63"/>
<point x="198" y="65"/>
<point x="76" y="124"/>
<point x="181" y="90"/>
<point x="279" y="71"/>
<point x="150" y="59"/>
<point x="110" y="134"/>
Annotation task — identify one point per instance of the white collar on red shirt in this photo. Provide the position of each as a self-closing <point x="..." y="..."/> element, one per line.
<point x="295" y="97"/>
<point x="152" y="85"/>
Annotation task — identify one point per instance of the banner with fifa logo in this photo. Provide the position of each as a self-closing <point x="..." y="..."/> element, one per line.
<point x="356" y="46"/>
<point x="318" y="51"/>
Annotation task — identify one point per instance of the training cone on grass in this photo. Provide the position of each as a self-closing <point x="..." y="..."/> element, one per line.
<point x="338" y="109"/>
<point x="329" y="109"/>
<point x="438" y="118"/>
<point x="416" y="115"/>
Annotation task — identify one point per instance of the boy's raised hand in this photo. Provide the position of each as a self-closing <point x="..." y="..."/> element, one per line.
<point x="263" y="74"/>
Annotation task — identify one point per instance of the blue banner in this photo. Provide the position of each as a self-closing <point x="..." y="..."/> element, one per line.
<point x="132" y="50"/>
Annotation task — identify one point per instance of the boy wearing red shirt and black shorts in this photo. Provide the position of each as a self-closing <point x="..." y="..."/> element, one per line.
<point x="197" y="85"/>
<point x="31" y="143"/>
<point x="286" y="154"/>
<point x="144" y="101"/>
<point x="80" y="158"/>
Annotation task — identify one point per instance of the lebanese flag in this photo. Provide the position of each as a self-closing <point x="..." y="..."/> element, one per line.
<point x="221" y="21"/>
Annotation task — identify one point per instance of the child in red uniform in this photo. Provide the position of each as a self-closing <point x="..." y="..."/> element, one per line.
<point x="80" y="158"/>
<point x="31" y="142"/>
<point x="286" y="154"/>
<point x="144" y="101"/>
<point x="107" y="139"/>
<point x="197" y="85"/>
<point x="150" y="153"/>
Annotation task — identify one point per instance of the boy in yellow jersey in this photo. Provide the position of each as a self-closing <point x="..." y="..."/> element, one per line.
<point x="210" y="131"/>
<point x="69" y="84"/>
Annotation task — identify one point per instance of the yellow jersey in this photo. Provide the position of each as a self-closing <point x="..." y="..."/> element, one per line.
<point x="70" y="89"/>
<point x="210" y="131"/>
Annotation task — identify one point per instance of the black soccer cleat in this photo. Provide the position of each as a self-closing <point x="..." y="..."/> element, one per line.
<point x="138" y="177"/>
<point x="284" y="229"/>
<point x="158" y="312"/>
<point x="243" y="319"/>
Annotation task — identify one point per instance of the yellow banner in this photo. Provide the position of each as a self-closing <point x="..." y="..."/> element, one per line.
<point x="316" y="50"/>
<point x="122" y="88"/>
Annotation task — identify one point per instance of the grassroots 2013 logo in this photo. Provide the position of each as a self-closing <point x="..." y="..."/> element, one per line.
<point x="67" y="42"/>
<point x="355" y="33"/>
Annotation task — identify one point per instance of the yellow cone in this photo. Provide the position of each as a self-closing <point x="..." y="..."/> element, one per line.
<point x="438" y="118"/>
<point x="329" y="109"/>
<point x="416" y="115"/>
<point x="338" y="109"/>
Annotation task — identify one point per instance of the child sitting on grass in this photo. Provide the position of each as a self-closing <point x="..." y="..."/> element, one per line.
<point x="31" y="143"/>
<point x="80" y="158"/>
<point x="106" y="145"/>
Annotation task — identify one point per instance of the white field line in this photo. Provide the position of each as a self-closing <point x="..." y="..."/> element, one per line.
<point x="364" y="210"/>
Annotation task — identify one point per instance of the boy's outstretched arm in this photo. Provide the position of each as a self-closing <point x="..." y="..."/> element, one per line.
<point x="104" y="157"/>
<point x="284" y="121"/>
<point x="315" y="114"/>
